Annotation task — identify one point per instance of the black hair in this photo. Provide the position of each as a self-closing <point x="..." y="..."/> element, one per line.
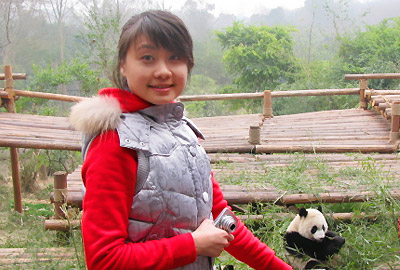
<point x="161" y="27"/>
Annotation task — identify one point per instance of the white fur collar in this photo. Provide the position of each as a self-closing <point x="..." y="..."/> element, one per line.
<point x="95" y="115"/>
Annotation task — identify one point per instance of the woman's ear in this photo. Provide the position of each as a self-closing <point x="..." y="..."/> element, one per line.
<point x="122" y="69"/>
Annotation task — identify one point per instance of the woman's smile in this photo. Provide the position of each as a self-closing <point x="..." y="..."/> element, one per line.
<point x="154" y="73"/>
<point x="161" y="88"/>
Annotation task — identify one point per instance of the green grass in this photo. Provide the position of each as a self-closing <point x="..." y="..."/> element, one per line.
<point x="370" y="242"/>
<point x="27" y="230"/>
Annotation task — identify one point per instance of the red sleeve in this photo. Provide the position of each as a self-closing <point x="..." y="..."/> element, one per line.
<point x="109" y="175"/>
<point x="246" y="247"/>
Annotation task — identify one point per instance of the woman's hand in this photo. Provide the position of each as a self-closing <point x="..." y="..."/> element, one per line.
<point x="209" y="240"/>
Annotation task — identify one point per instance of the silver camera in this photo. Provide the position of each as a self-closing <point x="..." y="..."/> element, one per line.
<point x="226" y="221"/>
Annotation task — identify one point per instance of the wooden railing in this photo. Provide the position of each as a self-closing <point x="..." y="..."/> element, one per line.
<point x="392" y="106"/>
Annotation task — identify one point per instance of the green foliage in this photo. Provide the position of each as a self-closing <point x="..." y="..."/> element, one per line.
<point x="47" y="79"/>
<point x="291" y="105"/>
<point x="260" y="56"/>
<point x="74" y="74"/>
<point x="202" y="85"/>
<point x="375" y="50"/>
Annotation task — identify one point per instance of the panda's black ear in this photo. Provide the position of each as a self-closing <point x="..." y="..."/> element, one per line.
<point x="303" y="212"/>
<point x="320" y="208"/>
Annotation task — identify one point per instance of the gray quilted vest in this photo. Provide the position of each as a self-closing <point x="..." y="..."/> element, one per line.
<point x="174" y="188"/>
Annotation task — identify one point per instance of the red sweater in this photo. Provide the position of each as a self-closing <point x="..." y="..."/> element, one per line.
<point x="109" y="174"/>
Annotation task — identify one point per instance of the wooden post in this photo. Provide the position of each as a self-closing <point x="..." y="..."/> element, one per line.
<point x="363" y="100"/>
<point x="10" y="106"/>
<point x="267" y="112"/>
<point x="60" y="194"/>
<point x="395" y="121"/>
<point x="254" y="134"/>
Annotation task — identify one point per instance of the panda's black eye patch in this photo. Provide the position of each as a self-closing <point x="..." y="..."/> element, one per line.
<point x="323" y="227"/>
<point x="314" y="229"/>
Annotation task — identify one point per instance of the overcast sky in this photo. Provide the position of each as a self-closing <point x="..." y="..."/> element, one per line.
<point x="248" y="7"/>
<point x="244" y="7"/>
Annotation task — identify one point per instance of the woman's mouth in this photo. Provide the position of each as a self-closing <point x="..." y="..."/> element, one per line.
<point x="161" y="88"/>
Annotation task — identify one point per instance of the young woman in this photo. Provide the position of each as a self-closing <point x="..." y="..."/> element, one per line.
<point x="150" y="193"/>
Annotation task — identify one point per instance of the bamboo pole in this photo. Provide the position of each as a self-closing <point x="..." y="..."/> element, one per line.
<point x="244" y="198"/>
<point x="15" y="76"/>
<point x="61" y="225"/>
<point x="70" y="146"/>
<point x="267" y="111"/>
<point x="325" y="149"/>
<point x="315" y="92"/>
<point x="258" y="95"/>
<point x="33" y="94"/>
<point x="374" y="92"/>
<point x="372" y="76"/>
<point x="335" y="216"/>
<point x="10" y="105"/>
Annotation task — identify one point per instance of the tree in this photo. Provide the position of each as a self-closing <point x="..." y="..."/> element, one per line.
<point x="5" y="20"/>
<point x="260" y="56"/>
<point x="101" y="35"/>
<point x="59" y="10"/>
<point x="375" y="50"/>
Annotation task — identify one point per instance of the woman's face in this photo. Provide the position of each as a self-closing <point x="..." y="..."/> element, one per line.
<point x="154" y="73"/>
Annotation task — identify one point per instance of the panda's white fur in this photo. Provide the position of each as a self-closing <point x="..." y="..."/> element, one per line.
<point x="309" y="223"/>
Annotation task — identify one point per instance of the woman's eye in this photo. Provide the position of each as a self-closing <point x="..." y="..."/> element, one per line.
<point x="175" y="57"/>
<point x="147" y="57"/>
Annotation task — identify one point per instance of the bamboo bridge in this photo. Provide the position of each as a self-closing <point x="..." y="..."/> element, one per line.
<point x="243" y="140"/>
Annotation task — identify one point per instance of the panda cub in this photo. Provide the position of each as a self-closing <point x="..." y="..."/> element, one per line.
<point x="308" y="234"/>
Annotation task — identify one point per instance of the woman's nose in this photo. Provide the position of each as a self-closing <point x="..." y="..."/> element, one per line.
<point x="162" y="71"/>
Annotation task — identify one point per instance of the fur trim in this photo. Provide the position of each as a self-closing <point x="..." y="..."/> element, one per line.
<point x="95" y="115"/>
